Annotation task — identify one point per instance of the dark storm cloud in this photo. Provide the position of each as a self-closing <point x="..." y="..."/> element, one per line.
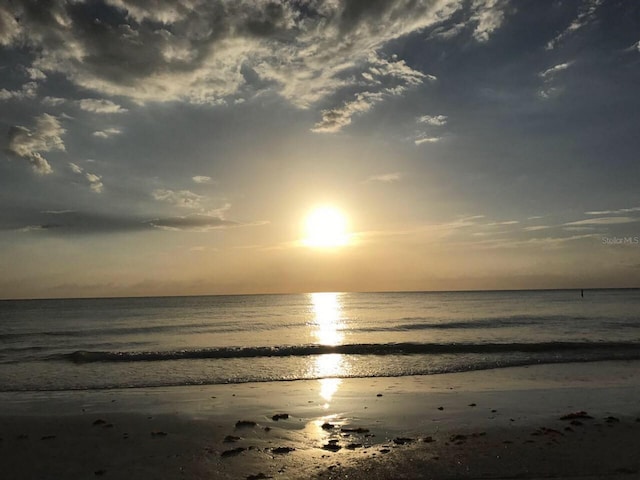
<point x="68" y="222"/>
<point x="192" y="222"/>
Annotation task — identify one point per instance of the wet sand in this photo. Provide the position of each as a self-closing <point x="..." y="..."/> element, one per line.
<point x="504" y="423"/>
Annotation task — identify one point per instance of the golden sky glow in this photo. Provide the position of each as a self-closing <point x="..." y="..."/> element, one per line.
<point x="166" y="160"/>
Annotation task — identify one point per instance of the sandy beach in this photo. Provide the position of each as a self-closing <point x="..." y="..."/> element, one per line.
<point x="504" y="423"/>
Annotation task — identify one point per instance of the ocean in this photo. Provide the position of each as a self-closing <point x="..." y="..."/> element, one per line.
<point x="87" y="344"/>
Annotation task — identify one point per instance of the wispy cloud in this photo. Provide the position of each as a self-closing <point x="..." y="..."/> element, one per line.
<point x="337" y="118"/>
<point x="433" y="120"/>
<point x="201" y="179"/>
<point x="195" y="222"/>
<point x="107" y="133"/>
<point x="536" y="242"/>
<point x="53" y="101"/>
<point x="181" y="198"/>
<point x="28" y="90"/>
<point x="555" y="69"/>
<point x="488" y="16"/>
<point x="100" y="106"/>
<point x="421" y="140"/>
<point x="614" y="212"/>
<point x="549" y="88"/>
<point x="45" y="136"/>
<point x="385" y="177"/>
<point x="95" y="181"/>
<point x="604" y="221"/>
<point x="535" y="228"/>
<point x="586" y="14"/>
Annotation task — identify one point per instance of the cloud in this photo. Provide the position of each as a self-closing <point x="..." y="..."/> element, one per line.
<point x="95" y="181"/>
<point x="197" y="222"/>
<point x="9" y="26"/>
<point x="548" y="76"/>
<point x="536" y="228"/>
<point x="555" y="69"/>
<point x="488" y="16"/>
<point x="107" y="133"/>
<point x="385" y="79"/>
<point x="586" y="14"/>
<point x="433" y="120"/>
<point x="506" y="222"/>
<point x="182" y="198"/>
<point x="45" y="137"/>
<point x="28" y="90"/>
<point x="542" y="242"/>
<point x="385" y="178"/>
<point x="53" y="101"/>
<point x="78" y="222"/>
<point x="421" y="140"/>
<point x="75" y="168"/>
<point x="35" y="74"/>
<point x="201" y="179"/>
<point x="614" y="212"/>
<point x="100" y="106"/>
<point x="604" y="221"/>
<point x="211" y="52"/>
<point x="335" y="119"/>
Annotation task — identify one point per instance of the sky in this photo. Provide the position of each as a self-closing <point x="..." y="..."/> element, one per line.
<point x="176" y="147"/>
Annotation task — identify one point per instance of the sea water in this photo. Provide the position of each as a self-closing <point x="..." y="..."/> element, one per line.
<point x="84" y="344"/>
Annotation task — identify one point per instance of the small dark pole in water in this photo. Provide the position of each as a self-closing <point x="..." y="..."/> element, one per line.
<point x="582" y="292"/>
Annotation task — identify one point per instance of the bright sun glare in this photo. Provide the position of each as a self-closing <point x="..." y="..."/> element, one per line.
<point x="326" y="227"/>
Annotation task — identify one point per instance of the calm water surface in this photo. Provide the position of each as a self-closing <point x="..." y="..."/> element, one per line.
<point x="141" y="342"/>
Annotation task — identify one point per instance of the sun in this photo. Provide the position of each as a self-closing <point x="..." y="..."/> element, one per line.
<point x="326" y="227"/>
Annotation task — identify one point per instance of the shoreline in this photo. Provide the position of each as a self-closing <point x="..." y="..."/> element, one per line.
<point x="482" y="424"/>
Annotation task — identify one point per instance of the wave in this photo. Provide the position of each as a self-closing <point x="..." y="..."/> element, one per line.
<point x="94" y="332"/>
<point x="86" y="356"/>
<point x="422" y="323"/>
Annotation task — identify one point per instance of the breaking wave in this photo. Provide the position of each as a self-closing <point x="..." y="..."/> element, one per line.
<point x="595" y="349"/>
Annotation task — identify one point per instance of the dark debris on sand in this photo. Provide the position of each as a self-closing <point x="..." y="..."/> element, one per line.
<point x="282" y="450"/>
<point x="402" y="440"/>
<point x="259" y="476"/>
<point x="233" y="452"/>
<point x="332" y="446"/>
<point x="581" y="415"/>
<point x="230" y="439"/>
<point x="280" y="416"/>
<point x="354" y="430"/>
<point x="245" y="423"/>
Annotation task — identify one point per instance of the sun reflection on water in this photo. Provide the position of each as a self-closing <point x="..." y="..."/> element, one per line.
<point x="327" y="329"/>
<point x="327" y="310"/>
